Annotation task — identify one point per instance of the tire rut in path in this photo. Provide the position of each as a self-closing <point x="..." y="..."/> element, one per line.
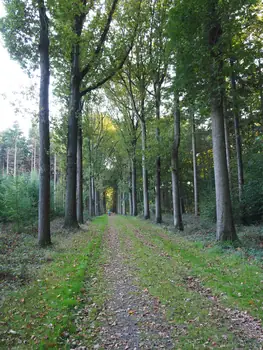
<point x="132" y="319"/>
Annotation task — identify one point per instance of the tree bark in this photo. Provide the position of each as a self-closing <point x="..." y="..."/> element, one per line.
<point x="194" y="164"/>
<point x="91" y="201"/>
<point x="7" y="161"/>
<point x="225" y="224"/>
<point x="130" y="193"/>
<point x="227" y="142"/>
<point x="44" y="152"/>
<point x="15" y="158"/>
<point x="104" y="201"/>
<point x="177" y="214"/>
<point x="55" y="181"/>
<point x="240" y="172"/>
<point x="79" y="175"/>
<point x="158" y="207"/>
<point x="146" y="208"/>
<point x="134" y="188"/>
<point x="75" y="110"/>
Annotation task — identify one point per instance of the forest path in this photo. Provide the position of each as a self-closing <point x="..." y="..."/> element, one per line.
<point x="154" y="302"/>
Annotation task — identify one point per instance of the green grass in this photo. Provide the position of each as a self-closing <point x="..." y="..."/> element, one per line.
<point x="43" y="310"/>
<point x="164" y="267"/>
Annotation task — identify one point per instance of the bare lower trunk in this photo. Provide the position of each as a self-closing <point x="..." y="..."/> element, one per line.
<point x="194" y="165"/>
<point x="97" y="201"/>
<point x="34" y="155"/>
<point x="55" y="181"/>
<point x="226" y="132"/>
<point x="75" y="110"/>
<point x="225" y="224"/>
<point x="130" y="193"/>
<point x="146" y="208"/>
<point x="104" y="201"/>
<point x="91" y="201"/>
<point x="15" y="158"/>
<point x="240" y="171"/>
<point x="7" y="161"/>
<point x="44" y="170"/>
<point x="261" y="89"/>
<point x="158" y="208"/>
<point x="79" y="175"/>
<point x="134" y="189"/>
<point x="177" y="214"/>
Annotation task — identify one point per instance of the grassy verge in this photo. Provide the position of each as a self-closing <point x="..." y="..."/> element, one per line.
<point x="165" y="261"/>
<point x="38" y="315"/>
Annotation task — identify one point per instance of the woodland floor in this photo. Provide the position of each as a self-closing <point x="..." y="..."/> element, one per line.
<point x="123" y="283"/>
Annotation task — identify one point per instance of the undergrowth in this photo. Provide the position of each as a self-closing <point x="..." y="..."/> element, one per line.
<point x="39" y="314"/>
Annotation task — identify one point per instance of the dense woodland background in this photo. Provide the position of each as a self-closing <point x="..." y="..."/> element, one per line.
<point x="161" y="112"/>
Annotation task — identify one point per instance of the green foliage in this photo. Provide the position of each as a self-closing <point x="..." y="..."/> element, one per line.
<point x="19" y="199"/>
<point x="252" y="201"/>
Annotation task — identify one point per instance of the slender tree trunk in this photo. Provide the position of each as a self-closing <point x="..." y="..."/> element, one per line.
<point x="177" y="214"/>
<point x="104" y="201"/>
<point x="55" y="181"/>
<point x="260" y="89"/>
<point x="158" y="207"/>
<point x="240" y="172"/>
<point x="130" y="190"/>
<point x="44" y="152"/>
<point x="91" y="202"/>
<point x="194" y="164"/>
<point x="146" y="208"/>
<point x="115" y="200"/>
<point x="96" y="203"/>
<point x="15" y="158"/>
<point x="7" y="161"/>
<point x="79" y="175"/>
<point x="34" y="155"/>
<point x="227" y="142"/>
<point x="124" y="204"/>
<point x="134" y="188"/>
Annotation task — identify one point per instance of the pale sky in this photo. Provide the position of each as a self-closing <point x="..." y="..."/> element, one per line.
<point x="14" y="85"/>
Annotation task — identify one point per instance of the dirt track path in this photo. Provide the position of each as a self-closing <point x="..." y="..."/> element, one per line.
<point x="131" y="319"/>
<point x="134" y="318"/>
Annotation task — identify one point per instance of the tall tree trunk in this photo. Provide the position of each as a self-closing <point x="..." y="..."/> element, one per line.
<point x="104" y="201"/>
<point x="227" y="142"/>
<point x="75" y="97"/>
<point x="79" y="175"/>
<point x="225" y="224"/>
<point x="7" y="161"/>
<point x="15" y="158"/>
<point x="34" y="154"/>
<point x="177" y="214"/>
<point x="194" y="164"/>
<point x="55" y="181"/>
<point x="240" y="172"/>
<point x="134" y="188"/>
<point x="96" y="200"/>
<point x="130" y="192"/>
<point x="124" y="203"/>
<point x="44" y="170"/>
<point x="260" y="89"/>
<point x="158" y="208"/>
<point x="91" y="201"/>
<point x="146" y="208"/>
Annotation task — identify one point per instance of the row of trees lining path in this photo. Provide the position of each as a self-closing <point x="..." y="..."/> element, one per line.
<point x="144" y="61"/>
